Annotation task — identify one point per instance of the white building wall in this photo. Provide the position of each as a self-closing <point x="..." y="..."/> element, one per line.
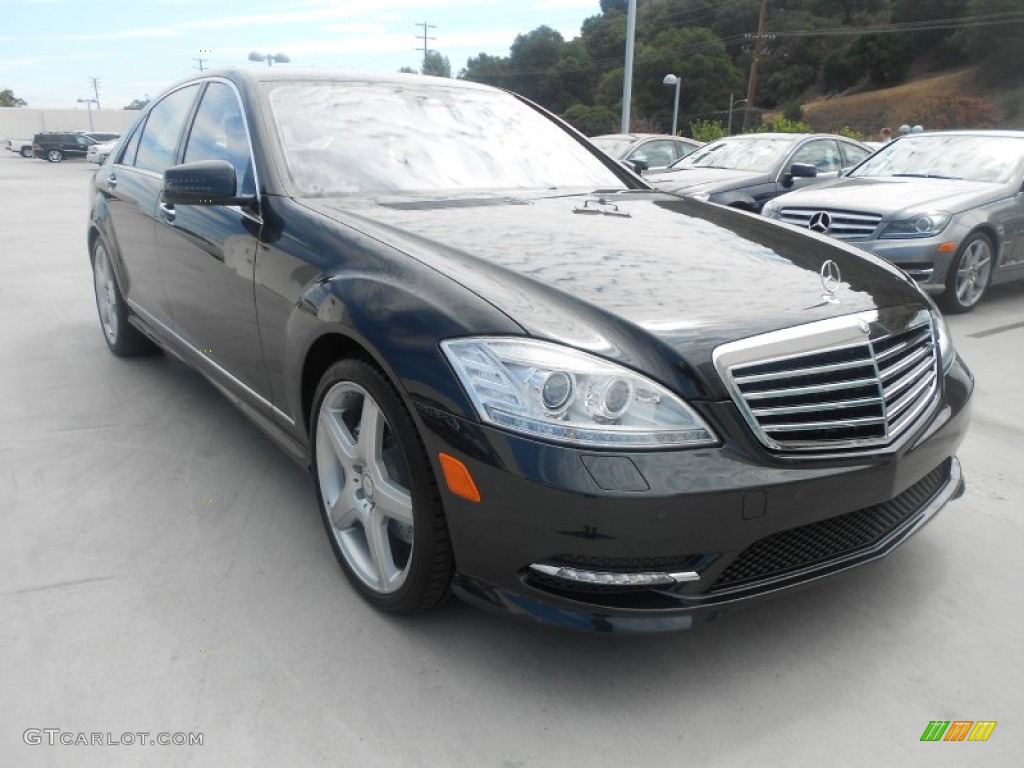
<point x="25" y="122"/>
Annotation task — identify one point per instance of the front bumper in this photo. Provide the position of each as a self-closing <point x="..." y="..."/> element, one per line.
<point x="749" y="523"/>
<point x="920" y="257"/>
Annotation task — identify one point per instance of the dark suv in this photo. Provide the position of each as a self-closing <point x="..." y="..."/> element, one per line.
<point x="56" y="146"/>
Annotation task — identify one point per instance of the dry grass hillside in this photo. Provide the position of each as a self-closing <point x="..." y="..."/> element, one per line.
<point x="907" y="103"/>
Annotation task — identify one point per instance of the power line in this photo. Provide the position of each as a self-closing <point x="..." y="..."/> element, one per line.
<point x="200" y="67"/>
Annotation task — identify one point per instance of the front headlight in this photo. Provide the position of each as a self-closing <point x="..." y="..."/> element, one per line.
<point x="770" y="209"/>
<point x="702" y="196"/>
<point x="557" y="393"/>
<point x="921" y="225"/>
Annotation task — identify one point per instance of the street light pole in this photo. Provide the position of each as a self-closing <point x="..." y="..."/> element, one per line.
<point x="627" y="74"/>
<point x="280" y="58"/>
<point x="732" y="104"/>
<point x="676" y="81"/>
<point x="88" y="104"/>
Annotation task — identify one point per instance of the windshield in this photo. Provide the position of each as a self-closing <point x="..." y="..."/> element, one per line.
<point x="348" y="138"/>
<point x="974" y="158"/>
<point x="745" y="154"/>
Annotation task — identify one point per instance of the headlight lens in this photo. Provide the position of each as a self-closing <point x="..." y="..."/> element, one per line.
<point x="702" y="196"/>
<point x="922" y="225"/>
<point x="557" y="393"/>
<point x="770" y="209"/>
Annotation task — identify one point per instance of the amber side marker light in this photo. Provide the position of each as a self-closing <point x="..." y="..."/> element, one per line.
<point x="456" y="474"/>
<point x="947" y="247"/>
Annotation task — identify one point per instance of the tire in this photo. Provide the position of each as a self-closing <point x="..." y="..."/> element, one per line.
<point x="26" y="151"/>
<point x="123" y="339"/>
<point x="377" y="492"/>
<point x="54" y="155"/>
<point x="969" y="274"/>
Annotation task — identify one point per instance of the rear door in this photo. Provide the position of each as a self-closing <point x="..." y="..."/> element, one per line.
<point x="132" y="187"/>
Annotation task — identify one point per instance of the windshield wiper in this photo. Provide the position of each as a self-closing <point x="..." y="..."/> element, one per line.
<point x="927" y="176"/>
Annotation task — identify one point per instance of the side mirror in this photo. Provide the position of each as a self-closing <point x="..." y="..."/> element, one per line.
<point x="803" y="171"/>
<point x="208" y="182"/>
<point x="639" y="165"/>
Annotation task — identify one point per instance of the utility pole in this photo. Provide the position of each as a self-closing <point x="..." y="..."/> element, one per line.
<point x="200" y="63"/>
<point x="96" y="90"/>
<point x="426" y="45"/>
<point x="752" y="83"/>
<point x="627" y="75"/>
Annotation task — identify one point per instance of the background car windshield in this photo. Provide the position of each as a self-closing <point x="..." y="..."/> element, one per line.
<point x="345" y="138"/>
<point x="613" y="147"/>
<point x="975" y="158"/>
<point x="738" y="155"/>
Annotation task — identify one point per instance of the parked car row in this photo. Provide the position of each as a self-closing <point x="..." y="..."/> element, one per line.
<point x="517" y="372"/>
<point x="57" y="146"/>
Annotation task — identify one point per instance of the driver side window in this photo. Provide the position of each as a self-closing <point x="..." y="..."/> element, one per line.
<point x="218" y="133"/>
<point x="823" y="154"/>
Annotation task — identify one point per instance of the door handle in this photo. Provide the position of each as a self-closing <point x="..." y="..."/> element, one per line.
<point x="111" y="181"/>
<point x="167" y="211"/>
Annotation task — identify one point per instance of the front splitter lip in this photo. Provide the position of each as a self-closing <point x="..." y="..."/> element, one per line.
<point x="531" y="605"/>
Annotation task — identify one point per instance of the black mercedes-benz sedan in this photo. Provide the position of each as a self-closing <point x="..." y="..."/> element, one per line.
<point x="516" y="372"/>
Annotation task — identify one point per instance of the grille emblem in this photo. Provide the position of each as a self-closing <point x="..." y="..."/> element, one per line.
<point x="820" y="222"/>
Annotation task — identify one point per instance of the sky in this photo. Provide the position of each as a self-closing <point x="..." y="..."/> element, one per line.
<point x="50" y="49"/>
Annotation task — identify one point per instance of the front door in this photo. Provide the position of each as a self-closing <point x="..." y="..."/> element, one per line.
<point x="207" y="252"/>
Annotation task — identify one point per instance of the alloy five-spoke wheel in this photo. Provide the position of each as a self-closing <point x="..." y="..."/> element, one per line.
<point x="54" y="155"/>
<point x="970" y="274"/>
<point x="376" y="489"/>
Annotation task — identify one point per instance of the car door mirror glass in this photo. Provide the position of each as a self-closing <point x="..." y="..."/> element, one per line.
<point x="803" y="171"/>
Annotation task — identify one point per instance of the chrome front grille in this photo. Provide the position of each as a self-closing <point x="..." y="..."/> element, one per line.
<point x="842" y="225"/>
<point x="846" y="388"/>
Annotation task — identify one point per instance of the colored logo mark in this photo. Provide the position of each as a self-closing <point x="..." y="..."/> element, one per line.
<point x="958" y="730"/>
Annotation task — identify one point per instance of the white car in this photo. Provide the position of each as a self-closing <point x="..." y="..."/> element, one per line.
<point x="22" y="146"/>
<point x="97" y="153"/>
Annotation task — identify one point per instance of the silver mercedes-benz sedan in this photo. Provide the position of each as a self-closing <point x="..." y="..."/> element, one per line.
<point x="948" y="208"/>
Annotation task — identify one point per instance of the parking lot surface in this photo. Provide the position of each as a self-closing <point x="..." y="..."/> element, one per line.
<point x="163" y="569"/>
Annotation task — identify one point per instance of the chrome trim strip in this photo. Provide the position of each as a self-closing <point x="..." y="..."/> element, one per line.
<point x="811" y="389"/>
<point x="813" y="425"/>
<point x="755" y="377"/>
<point x="217" y="367"/>
<point x="666" y="577"/>
<point x="784" y="410"/>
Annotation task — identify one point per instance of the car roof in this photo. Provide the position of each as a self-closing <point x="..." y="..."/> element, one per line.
<point x="299" y="74"/>
<point x="639" y="136"/>
<point x="992" y="133"/>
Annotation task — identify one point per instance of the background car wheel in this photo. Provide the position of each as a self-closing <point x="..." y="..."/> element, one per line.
<point x="969" y="275"/>
<point x="54" y="155"/>
<point x="26" y="151"/>
<point x="378" y="497"/>
<point x="123" y="339"/>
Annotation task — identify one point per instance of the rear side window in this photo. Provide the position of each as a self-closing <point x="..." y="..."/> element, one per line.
<point x="160" y="135"/>
<point x="853" y="154"/>
<point x="128" y="156"/>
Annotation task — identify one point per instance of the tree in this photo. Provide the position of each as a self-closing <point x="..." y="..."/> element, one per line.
<point x="592" y="121"/>
<point x="8" y="99"/>
<point x="408" y="71"/>
<point x="137" y="103"/>
<point x="436" y="64"/>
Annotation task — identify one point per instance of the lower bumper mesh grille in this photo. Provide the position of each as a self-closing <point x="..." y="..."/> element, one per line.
<point x="830" y="539"/>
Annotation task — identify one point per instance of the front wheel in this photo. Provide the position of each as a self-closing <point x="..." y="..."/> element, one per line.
<point x="378" y="497"/>
<point x="54" y="155"/>
<point x="969" y="275"/>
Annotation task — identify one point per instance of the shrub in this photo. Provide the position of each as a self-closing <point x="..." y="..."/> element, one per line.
<point x="852" y="133"/>
<point x="707" y="130"/>
<point x="782" y="125"/>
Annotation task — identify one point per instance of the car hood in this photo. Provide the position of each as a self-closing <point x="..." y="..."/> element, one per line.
<point x="695" y="180"/>
<point x="893" y="196"/>
<point x="642" y="267"/>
